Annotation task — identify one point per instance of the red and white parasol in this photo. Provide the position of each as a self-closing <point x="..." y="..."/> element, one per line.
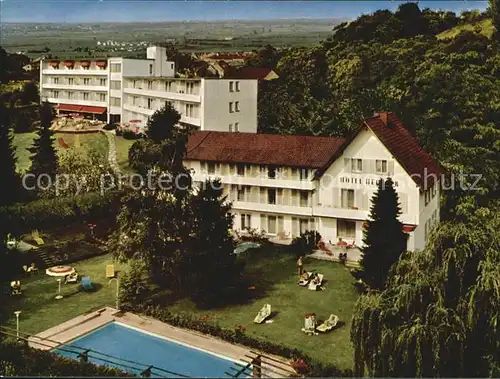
<point x="60" y="271"/>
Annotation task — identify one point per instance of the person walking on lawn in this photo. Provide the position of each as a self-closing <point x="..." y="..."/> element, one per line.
<point x="300" y="266"/>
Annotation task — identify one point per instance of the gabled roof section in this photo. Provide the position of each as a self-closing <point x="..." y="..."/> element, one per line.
<point x="266" y="149"/>
<point x="401" y="144"/>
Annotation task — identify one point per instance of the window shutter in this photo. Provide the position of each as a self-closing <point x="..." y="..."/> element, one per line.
<point x="281" y="224"/>
<point x="336" y="197"/>
<point x="365" y="201"/>
<point x="263" y="222"/>
<point x="224" y="169"/>
<point x="390" y="167"/>
<point x="232" y="169"/>
<point x="370" y="166"/>
<point x="285" y="173"/>
<point x="234" y="194"/>
<point x="358" y="198"/>
<point x="347" y="164"/>
<point x="295" y="227"/>
<point x="279" y="196"/>
<point x="263" y="197"/>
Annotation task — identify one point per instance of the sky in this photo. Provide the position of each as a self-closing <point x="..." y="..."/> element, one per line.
<point x="74" y="11"/>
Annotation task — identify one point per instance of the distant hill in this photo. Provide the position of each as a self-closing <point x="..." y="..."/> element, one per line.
<point x="485" y="27"/>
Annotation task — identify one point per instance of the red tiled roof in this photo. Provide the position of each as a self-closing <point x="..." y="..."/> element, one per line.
<point x="251" y="73"/>
<point x="405" y="148"/>
<point x="268" y="149"/>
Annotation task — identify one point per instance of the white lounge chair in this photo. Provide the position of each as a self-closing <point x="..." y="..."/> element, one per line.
<point x="328" y="324"/>
<point x="316" y="285"/>
<point x="264" y="313"/>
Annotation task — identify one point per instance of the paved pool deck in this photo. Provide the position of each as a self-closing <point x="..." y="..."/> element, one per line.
<point x="86" y="323"/>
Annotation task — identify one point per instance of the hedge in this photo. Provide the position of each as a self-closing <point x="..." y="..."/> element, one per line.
<point x="57" y="212"/>
<point x="237" y="336"/>
<point x="17" y="359"/>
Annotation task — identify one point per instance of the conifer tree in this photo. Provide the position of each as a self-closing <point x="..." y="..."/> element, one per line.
<point x="10" y="188"/>
<point x="383" y="238"/>
<point x="44" y="158"/>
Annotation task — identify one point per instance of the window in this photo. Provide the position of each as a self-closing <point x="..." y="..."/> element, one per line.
<point x="230" y="127"/>
<point x="237" y="106"/>
<point x="241" y="193"/>
<point x="102" y="97"/>
<point x="168" y="104"/>
<point x="150" y="69"/>
<point x="70" y="95"/>
<point x="115" y="101"/>
<point x="189" y="87"/>
<point x="271" y="224"/>
<point x="303" y="174"/>
<point x="172" y="66"/>
<point x="356" y="165"/>
<point x="150" y="103"/>
<point x="231" y="107"/>
<point x="115" y="84"/>
<point x="304" y="199"/>
<point x="346" y="229"/>
<point x="231" y="85"/>
<point x="86" y="81"/>
<point x="236" y="126"/>
<point x="303" y="225"/>
<point x="211" y="168"/>
<point x="271" y="172"/>
<point x="116" y="67"/>
<point x="134" y="84"/>
<point x="189" y="110"/>
<point x="347" y="198"/>
<point x="55" y="80"/>
<point x="381" y="166"/>
<point x="85" y="96"/>
<point x="240" y="170"/>
<point x="237" y="86"/>
<point x="271" y="195"/>
<point x="168" y="86"/>
<point x="56" y="94"/>
<point x="71" y="81"/>
<point x="102" y="82"/>
<point x="246" y="221"/>
<point x="150" y="84"/>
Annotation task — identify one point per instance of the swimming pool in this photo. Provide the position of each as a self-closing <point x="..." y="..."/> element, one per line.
<point x="128" y="343"/>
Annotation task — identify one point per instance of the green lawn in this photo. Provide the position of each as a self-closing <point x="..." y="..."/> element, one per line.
<point x="275" y="279"/>
<point x="40" y="310"/>
<point x="271" y="271"/>
<point x="94" y="141"/>
<point x="122" y="148"/>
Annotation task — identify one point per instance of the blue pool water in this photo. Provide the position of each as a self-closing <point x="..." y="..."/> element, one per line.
<point x="123" y="342"/>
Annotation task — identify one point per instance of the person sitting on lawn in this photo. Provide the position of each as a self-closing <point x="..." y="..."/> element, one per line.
<point x="304" y="279"/>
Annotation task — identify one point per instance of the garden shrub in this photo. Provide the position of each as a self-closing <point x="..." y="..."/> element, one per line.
<point x="109" y="127"/>
<point x="128" y="134"/>
<point x="238" y="336"/>
<point x="133" y="286"/>
<point x="306" y="243"/>
<point x="23" y="361"/>
<point x="57" y="212"/>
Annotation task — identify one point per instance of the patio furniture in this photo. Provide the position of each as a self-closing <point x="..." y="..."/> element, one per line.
<point x="329" y="324"/>
<point x="72" y="278"/>
<point x="59" y="272"/>
<point x="35" y="234"/>
<point x="315" y="283"/>
<point x="264" y="313"/>
<point x="15" y="287"/>
<point x="32" y="269"/>
<point x="110" y="271"/>
<point x="87" y="284"/>
<point x="305" y="278"/>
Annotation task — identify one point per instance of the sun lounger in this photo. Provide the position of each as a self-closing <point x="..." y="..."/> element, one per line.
<point x="110" y="271"/>
<point x="304" y="283"/>
<point x="328" y="324"/>
<point x="15" y="287"/>
<point x="72" y="278"/>
<point x="316" y="285"/>
<point x="36" y="237"/>
<point x="264" y="313"/>
<point x="309" y="326"/>
<point x="87" y="284"/>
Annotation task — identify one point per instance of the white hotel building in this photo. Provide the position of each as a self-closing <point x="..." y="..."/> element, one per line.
<point x="287" y="184"/>
<point x="123" y="90"/>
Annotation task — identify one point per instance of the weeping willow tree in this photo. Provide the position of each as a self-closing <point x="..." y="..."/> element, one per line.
<point x="440" y="312"/>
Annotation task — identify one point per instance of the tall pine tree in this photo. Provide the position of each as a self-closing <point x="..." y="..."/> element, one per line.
<point x="10" y="188"/>
<point x="44" y="158"/>
<point x="383" y="238"/>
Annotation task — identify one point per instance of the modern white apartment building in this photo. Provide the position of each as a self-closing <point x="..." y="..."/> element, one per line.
<point x="129" y="91"/>
<point x="287" y="184"/>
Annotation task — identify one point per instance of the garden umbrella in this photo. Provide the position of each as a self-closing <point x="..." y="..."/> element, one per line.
<point x="59" y="272"/>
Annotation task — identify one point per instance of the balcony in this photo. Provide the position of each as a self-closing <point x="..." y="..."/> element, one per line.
<point x="354" y="214"/>
<point x="150" y="112"/>
<point x="75" y="87"/>
<point x="163" y="94"/>
<point x="272" y="208"/>
<point x="306" y="185"/>
<point x="51" y="71"/>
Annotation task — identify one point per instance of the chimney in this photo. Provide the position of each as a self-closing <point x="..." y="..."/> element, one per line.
<point x="384" y="117"/>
